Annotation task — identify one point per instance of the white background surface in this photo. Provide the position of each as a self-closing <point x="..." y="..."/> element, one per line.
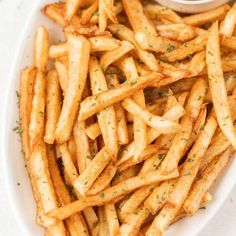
<point x="13" y="14"/>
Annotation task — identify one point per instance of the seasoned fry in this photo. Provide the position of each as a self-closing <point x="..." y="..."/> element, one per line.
<point x="180" y="32"/>
<point x="93" y="104"/>
<point x="41" y="49"/>
<point x="110" y="193"/>
<point x="207" y="17"/>
<point x="53" y="106"/>
<point x="71" y="8"/>
<point x="102" y="16"/>
<point x="137" y="17"/>
<point x="217" y="85"/>
<point x="62" y="72"/>
<point x="112" y="56"/>
<point x="109" y="9"/>
<point x="228" y="24"/>
<point x="229" y="42"/>
<point x="86" y="179"/>
<point x="36" y="126"/>
<point x="79" y="49"/>
<point x="208" y="177"/>
<point x="103" y="226"/>
<point x="160" y="12"/>
<point x="89" y="12"/>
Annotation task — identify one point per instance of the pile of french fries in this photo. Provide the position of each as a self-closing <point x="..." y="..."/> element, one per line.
<point x="128" y="122"/>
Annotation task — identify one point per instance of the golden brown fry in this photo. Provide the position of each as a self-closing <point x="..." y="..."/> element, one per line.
<point x="112" y="56"/>
<point x="111" y="193"/>
<point x="188" y="48"/>
<point x="228" y="24"/>
<point x="55" y="12"/>
<point x="202" y="185"/>
<point x="53" y="106"/>
<point x="58" y="50"/>
<point x="103" y="226"/>
<point x="207" y="17"/>
<point x="91" y="173"/>
<point x="88" y="13"/>
<point x="62" y="71"/>
<point x="71" y="8"/>
<point x="36" y="126"/>
<point x="112" y="219"/>
<point x="79" y="49"/>
<point x="160" y="12"/>
<point x="102" y="16"/>
<point x="93" y="104"/>
<point x="93" y="131"/>
<point x="41" y="49"/>
<point x="180" y="32"/>
<point x="137" y="18"/>
<point x="155" y="43"/>
<point x="103" y="180"/>
<point x="109" y="9"/>
<point x="217" y="85"/>
<point x="229" y="42"/>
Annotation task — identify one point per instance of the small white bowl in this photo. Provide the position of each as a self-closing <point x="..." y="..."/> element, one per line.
<point x="191" y="6"/>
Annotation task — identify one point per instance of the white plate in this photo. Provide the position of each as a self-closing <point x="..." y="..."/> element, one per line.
<point x="21" y="196"/>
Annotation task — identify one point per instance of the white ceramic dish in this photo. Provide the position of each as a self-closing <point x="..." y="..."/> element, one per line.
<point x="21" y="197"/>
<point x="191" y="6"/>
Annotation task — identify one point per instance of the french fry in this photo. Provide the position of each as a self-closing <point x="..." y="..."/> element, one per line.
<point x="103" y="180"/>
<point x="159" y="123"/>
<point x="72" y="149"/>
<point x="139" y="125"/>
<point x="106" y="117"/>
<point x="112" y="219"/>
<point x="217" y="85"/>
<point x="228" y="24"/>
<point x="74" y="223"/>
<point x="180" y="32"/>
<point x="103" y="226"/>
<point x="112" y="56"/>
<point x="79" y="49"/>
<point x="207" y="17"/>
<point x="159" y="12"/>
<point x="53" y="106"/>
<point x="125" y="33"/>
<point x="88" y="13"/>
<point x="36" y="126"/>
<point x="109" y="9"/>
<point x="187" y="174"/>
<point x="137" y="17"/>
<point x="86" y="179"/>
<point x="55" y="12"/>
<point x="71" y="7"/>
<point x="202" y="185"/>
<point x="41" y="49"/>
<point x="58" y="50"/>
<point x="180" y="141"/>
<point x="93" y="104"/>
<point x="155" y="43"/>
<point x="93" y="131"/>
<point x="62" y="71"/>
<point x="186" y="49"/>
<point x="122" y="130"/>
<point x="110" y="194"/>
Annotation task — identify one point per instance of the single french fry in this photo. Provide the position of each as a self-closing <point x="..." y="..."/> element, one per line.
<point x="71" y="7"/>
<point x="62" y="71"/>
<point x="79" y="49"/>
<point x="93" y="131"/>
<point x="103" y="180"/>
<point x="122" y="130"/>
<point x="112" y="56"/>
<point x="229" y="42"/>
<point x="58" y="50"/>
<point x="103" y="226"/>
<point x="137" y="18"/>
<point x="228" y="24"/>
<point x="207" y="17"/>
<point x="109" y="9"/>
<point x="202" y="185"/>
<point x="36" y="126"/>
<point x="72" y="149"/>
<point x="160" y="12"/>
<point x="93" y="104"/>
<point x="112" y="219"/>
<point x="83" y="153"/>
<point x="41" y="49"/>
<point x="156" y="122"/>
<point x="74" y="223"/>
<point x="187" y="49"/>
<point x="217" y="85"/>
<point x="55" y="12"/>
<point x="180" y="32"/>
<point x="187" y="174"/>
<point x="53" y="106"/>
<point x="88" y="12"/>
<point x="110" y="194"/>
<point x="155" y="43"/>
<point x="194" y="103"/>
<point x="95" y="168"/>
<point x="125" y="33"/>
